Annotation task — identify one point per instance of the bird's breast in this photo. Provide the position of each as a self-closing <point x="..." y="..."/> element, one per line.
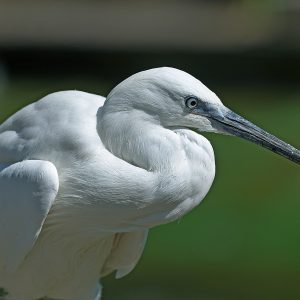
<point x="198" y="171"/>
<point x="112" y="195"/>
<point x="185" y="183"/>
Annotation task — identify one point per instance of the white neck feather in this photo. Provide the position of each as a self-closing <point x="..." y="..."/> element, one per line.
<point x="181" y="160"/>
<point x="140" y="140"/>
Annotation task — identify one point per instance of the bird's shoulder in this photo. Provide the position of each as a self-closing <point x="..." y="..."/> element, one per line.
<point x="60" y="117"/>
<point x="63" y="104"/>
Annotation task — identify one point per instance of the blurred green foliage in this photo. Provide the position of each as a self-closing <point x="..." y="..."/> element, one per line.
<point x="243" y="241"/>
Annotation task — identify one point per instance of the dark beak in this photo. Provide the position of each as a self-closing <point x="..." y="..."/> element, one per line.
<point x="225" y="120"/>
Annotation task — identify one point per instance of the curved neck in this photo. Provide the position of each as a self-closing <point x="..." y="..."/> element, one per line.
<point x="139" y="139"/>
<point x="181" y="163"/>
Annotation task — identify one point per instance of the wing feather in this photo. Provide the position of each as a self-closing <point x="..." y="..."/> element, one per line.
<point x="126" y="252"/>
<point x="27" y="191"/>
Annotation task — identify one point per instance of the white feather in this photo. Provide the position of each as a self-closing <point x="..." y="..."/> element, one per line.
<point x="123" y="165"/>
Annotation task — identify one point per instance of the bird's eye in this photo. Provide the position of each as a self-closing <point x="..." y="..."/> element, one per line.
<point x="191" y="102"/>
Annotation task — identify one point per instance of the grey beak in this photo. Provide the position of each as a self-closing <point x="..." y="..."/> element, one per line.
<point x="229" y="122"/>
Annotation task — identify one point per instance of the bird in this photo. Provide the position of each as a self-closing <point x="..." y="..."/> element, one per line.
<point x="83" y="178"/>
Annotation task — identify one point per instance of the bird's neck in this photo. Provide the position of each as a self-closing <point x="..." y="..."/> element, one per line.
<point x="140" y="140"/>
<point x="179" y="165"/>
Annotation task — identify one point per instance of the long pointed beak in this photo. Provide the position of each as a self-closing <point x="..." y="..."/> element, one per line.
<point x="231" y="123"/>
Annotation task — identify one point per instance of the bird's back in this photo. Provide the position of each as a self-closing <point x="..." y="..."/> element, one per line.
<point x="62" y="121"/>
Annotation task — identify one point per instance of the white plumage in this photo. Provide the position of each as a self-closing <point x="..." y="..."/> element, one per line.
<point x="83" y="179"/>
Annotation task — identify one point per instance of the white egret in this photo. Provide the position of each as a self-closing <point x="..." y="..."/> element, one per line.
<point x="82" y="179"/>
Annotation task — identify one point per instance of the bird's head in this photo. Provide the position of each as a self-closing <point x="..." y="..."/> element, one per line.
<point x="176" y="99"/>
